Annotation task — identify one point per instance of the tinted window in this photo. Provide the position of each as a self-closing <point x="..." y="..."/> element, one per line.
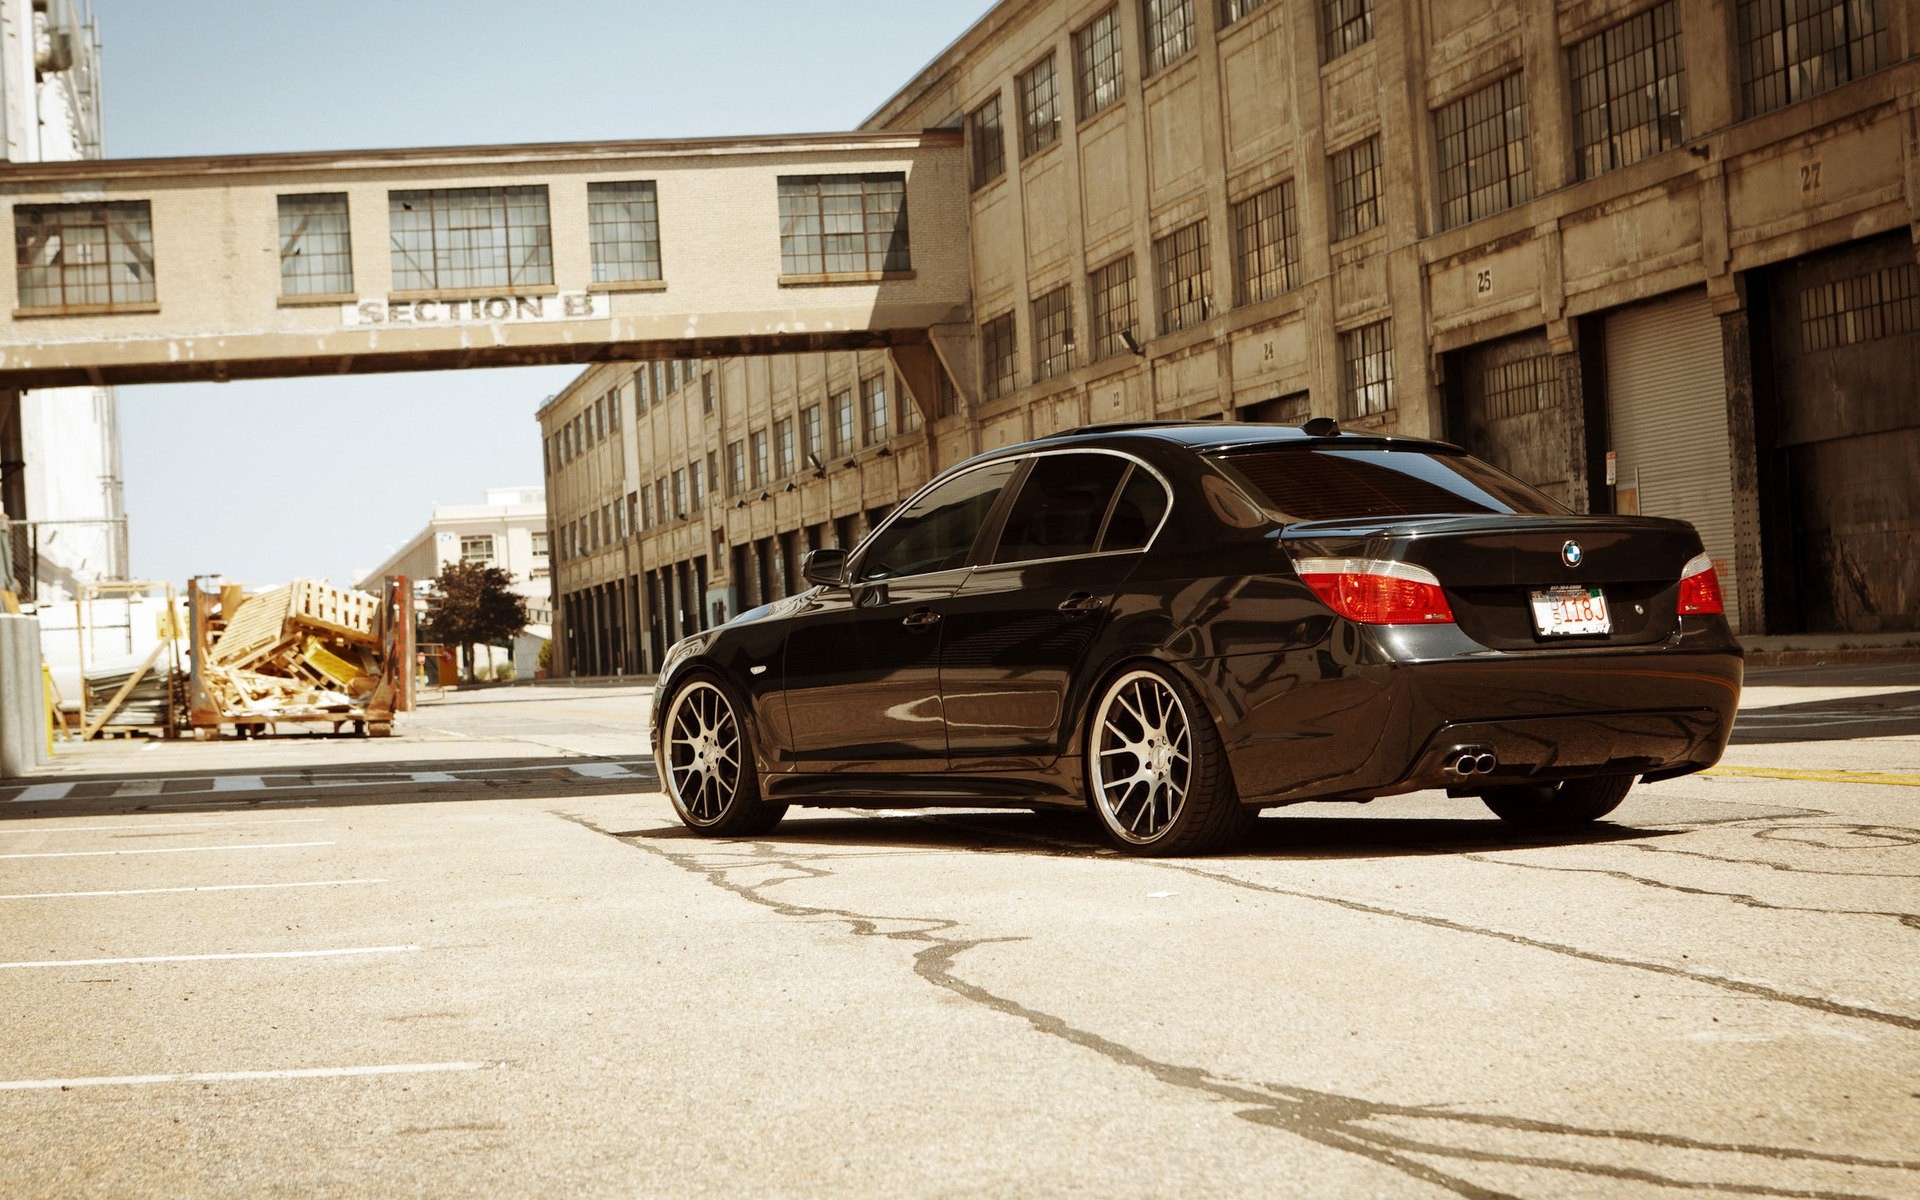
<point x="935" y="532"/>
<point x="1060" y="507"/>
<point x="1301" y="484"/>
<point x="1143" y="501"/>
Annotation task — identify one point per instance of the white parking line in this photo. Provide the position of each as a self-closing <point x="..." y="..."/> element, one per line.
<point x="21" y="1085"/>
<point x="35" y="792"/>
<point x="167" y="958"/>
<point x="215" y="887"/>
<point x="113" y="828"/>
<point x="164" y="850"/>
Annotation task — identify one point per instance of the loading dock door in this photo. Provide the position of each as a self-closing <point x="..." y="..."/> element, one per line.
<point x="1667" y="408"/>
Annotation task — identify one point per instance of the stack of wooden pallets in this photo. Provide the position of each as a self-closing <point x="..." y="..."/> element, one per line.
<point x="307" y="650"/>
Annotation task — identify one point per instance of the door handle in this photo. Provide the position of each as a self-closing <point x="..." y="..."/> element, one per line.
<point x="1081" y="603"/>
<point x="921" y="618"/>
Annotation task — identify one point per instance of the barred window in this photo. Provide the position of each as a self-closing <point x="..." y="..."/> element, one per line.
<point x="1053" y="333"/>
<point x="1183" y="277"/>
<point x="1629" y="91"/>
<point x="477" y="548"/>
<point x="1266" y="245"/>
<point x="1356" y="188"/>
<point x="840" y="224"/>
<point x="1792" y="49"/>
<point x="1880" y="303"/>
<point x="623" y="225"/>
<point x="1523" y="385"/>
<point x="813" y="429"/>
<point x="1366" y="369"/>
<point x="1098" y="65"/>
<point x="1169" y="29"/>
<point x="1483" y="152"/>
<point x="316" y="257"/>
<point x="1233" y="10"/>
<point x="842" y="403"/>
<point x="997" y="349"/>
<point x="874" y="408"/>
<point x="1111" y="299"/>
<point x="785" y="452"/>
<point x="457" y="239"/>
<point x="987" y="143"/>
<point x="1344" y="25"/>
<point x="84" y="255"/>
<point x="1039" y="108"/>
<point x="736" y="467"/>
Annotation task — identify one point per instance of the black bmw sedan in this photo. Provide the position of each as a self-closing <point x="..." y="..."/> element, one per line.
<point x="1176" y="625"/>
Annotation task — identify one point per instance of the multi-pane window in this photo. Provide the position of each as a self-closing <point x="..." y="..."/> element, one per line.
<point x="842" y="403"/>
<point x="1266" y="245"/>
<point x="757" y="452"/>
<point x="1233" y="10"/>
<point x="1183" y="277"/>
<point x="1168" y="25"/>
<point x="736" y="468"/>
<point x="709" y="392"/>
<point x="316" y="257"/>
<point x="613" y="409"/>
<point x="660" y="496"/>
<point x="1098" y="67"/>
<point x="1482" y="140"/>
<point x="620" y="518"/>
<point x="1884" y="302"/>
<point x="1366" y="369"/>
<point x="874" y="408"/>
<point x="84" y="255"/>
<point x="1792" y="49"/>
<point x="909" y="412"/>
<point x="1629" y="91"/>
<point x="997" y="350"/>
<point x="1344" y="25"/>
<point x="813" y="430"/>
<point x="642" y="389"/>
<point x="680" y="494"/>
<point x="1039" y="108"/>
<point x="540" y="543"/>
<point x="696" y="484"/>
<point x="1110" y="299"/>
<point x="452" y="239"/>
<point x="1053" y="333"/>
<point x="477" y="548"/>
<point x="987" y="142"/>
<point x="785" y="458"/>
<point x="1520" y="385"/>
<point x="1356" y="188"/>
<point x="623" y="225"/>
<point x="840" y="224"/>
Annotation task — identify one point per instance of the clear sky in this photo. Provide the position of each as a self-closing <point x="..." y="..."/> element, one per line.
<point x="266" y="481"/>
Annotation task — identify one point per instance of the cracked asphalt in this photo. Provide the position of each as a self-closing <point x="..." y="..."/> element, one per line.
<point x="483" y="959"/>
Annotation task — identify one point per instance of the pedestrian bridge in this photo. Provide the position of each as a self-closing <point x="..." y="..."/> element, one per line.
<point x="239" y="267"/>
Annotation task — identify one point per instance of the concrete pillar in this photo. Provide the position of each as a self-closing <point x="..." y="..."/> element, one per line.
<point x="23" y="704"/>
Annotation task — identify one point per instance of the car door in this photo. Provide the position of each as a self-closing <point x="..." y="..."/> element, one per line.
<point x="1020" y="627"/>
<point x="862" y="659"/>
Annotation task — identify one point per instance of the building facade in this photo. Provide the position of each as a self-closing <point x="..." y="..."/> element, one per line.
<point x="1655" y="256"/>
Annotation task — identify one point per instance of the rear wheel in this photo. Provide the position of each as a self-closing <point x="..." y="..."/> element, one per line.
<point x="1558" y="805"/>
<point x="1156" y="770"/>
<point x="707" y="765"/>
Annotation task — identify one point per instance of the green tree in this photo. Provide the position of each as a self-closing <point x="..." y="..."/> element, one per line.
<point x="472" y="603"/>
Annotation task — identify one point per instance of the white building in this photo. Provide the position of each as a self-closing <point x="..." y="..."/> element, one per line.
<point x="60" y="480"/>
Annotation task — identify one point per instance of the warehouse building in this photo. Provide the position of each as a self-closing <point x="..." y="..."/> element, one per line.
<point x="1653" y="257"/>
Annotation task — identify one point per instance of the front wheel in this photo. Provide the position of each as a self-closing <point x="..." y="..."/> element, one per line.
<point x="1558" y="805"/>
<point x="1156" y="771"/>
<point x="707" y="765"/>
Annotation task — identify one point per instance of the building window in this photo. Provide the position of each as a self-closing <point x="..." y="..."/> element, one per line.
<point x="540" y="543"/>
<point x="997" y="350"/>
<point x="709" y="392"/>
<point x="623" y="225"/>
<point x="696" y="485"/>
<point x="1053" y="333"/>
<point x="316" y="257"/>
<point x="1169" y="30"/>
<point x="1523" y="385"/>
<point x="642" y="389"/>
<point x="1356" y="188"/>
<point x="1266" y="245"/>
<point x="784" y="456"/>
<point x="620" y="518"/>
<point x="874" y="407"/>
<point x="613" y="410"/>
<point x="1881" y="303"/>
<point x="660" y="496"/>
<point x="1233" y="10"/>
<point x="813" y="429"/>
<point x="1483" y="152"/>
<point x="646" y="506"/>
<point x="909" y="411"/>
<point x="477" y="548"/>
<point x="986" y="143"/>
<point x="1110" y="295"/>
<point x="680" y="494"/>
<point x="736" y="468"/>
<point x="1629" y="91"/>
<point x="1039" y="108"/>
<point x="1792" y="49"/>
<point x="1344" y="25"/>
<point x="842" y="403"/>
<point x="1183" y="277"/>
<point x="1097" y="63"/>
<point x="84" y="256"/>
<point x="458" y="239"/>
<point x="1366" y="369"/>
<point x="757" y="449"/>
<point x="843" y="224"/>
<point x="946" y="396"/>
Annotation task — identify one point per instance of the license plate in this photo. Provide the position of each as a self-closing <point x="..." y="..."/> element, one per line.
<point x="1560" y="611"/>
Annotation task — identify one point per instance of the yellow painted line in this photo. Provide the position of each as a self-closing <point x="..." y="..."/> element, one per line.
<point x="1817" y="776"/>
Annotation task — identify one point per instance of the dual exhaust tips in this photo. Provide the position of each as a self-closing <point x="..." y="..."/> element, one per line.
<point x="1462" y="761"/>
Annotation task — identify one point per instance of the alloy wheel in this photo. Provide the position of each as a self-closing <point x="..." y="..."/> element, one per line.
<point x="1142" y="757"/>
<point x="704" y="753"/>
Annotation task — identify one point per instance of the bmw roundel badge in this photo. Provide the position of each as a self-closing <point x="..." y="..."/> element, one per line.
<point x="1571" y="554"/>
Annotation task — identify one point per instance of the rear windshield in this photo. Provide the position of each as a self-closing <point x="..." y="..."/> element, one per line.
<point x="1317" y="483"/>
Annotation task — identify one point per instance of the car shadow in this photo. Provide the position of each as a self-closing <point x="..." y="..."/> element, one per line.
<point x="1891" y="714"/>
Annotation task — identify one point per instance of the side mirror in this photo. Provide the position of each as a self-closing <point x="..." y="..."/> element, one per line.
<point x="827" y="566"/>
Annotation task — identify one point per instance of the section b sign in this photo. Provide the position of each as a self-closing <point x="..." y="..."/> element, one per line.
<point x="479" y="310"/>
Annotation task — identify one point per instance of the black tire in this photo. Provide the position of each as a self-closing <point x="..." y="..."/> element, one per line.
<point x="1157" y="775"/>
<point x="706" y="763"/>
<point x="1558" y="806"/>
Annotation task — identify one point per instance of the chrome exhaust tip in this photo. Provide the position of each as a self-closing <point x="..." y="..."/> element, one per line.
<point x="1464" y="761"/>
<point x="1483" y="764"/>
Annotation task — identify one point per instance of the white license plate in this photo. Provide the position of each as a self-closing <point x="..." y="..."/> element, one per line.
<point x="1570" y="610"/>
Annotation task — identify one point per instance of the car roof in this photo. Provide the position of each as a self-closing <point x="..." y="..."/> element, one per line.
<point x="1204" y="436"/>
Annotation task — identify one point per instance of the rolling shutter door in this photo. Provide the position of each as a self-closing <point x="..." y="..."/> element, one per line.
<point x="1667" y="407"/>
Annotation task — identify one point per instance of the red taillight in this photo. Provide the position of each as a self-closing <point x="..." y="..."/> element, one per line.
<point x="1376" y="591"/>
<point x="1700" y="588"/>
